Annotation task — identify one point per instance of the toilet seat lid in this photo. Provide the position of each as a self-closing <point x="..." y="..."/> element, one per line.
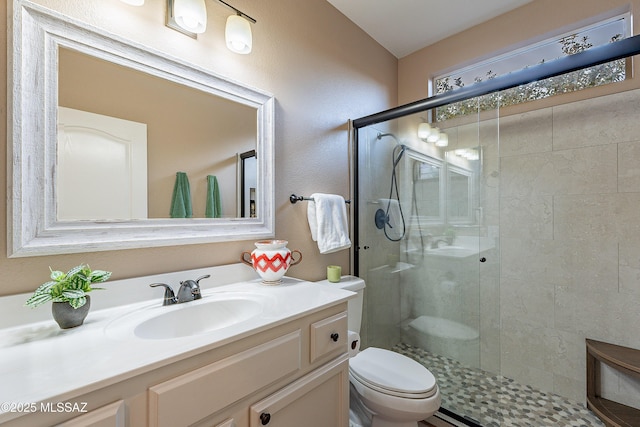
<point x="392" y="372"/>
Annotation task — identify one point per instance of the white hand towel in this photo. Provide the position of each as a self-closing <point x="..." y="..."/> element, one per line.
<point x="327" y="215"/>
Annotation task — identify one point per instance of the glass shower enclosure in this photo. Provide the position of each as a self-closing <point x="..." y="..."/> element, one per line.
<point x="426" y="217"/>
<point x="428" y="243"/>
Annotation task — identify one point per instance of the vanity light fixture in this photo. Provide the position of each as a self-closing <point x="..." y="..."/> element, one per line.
<point x="238" y="31"/>
<point x="190" y="17"/>
<point x="467" y="153"/>
<point x="443" y="140"/>
<point x="133" y="2"/>
<point x="429" y="134"/>
<point x="424" y="130"/>
<point x="238" y="34"/>
<point x="434" y="135"/>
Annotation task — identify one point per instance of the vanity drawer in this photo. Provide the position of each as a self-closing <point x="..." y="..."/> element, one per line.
<point x="110" y="415"/>
<point x="191" y="397"/>
<point x="329" y="336"/>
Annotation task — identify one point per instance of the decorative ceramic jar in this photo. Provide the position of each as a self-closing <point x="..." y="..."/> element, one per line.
<point x="271" y="259"/>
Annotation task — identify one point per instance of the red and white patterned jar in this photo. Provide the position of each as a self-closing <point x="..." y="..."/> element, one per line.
<point x="271" y="259"/>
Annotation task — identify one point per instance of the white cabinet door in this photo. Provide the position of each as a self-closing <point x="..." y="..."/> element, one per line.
<point x="319" y="399"/>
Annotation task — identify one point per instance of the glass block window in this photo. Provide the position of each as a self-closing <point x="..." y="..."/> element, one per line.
<point x="608" y="31"/>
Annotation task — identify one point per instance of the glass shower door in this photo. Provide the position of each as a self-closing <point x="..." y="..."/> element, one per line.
<point x="427" y="247"/>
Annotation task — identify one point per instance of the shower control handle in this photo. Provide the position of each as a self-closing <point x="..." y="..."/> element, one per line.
<point x="335" y="337"/>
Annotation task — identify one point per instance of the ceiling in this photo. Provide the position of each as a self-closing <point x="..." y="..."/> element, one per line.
<point x="404" y="26"/>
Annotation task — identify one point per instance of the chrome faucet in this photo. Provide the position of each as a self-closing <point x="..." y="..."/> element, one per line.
<point x="435" y="243"/>
<point x="189" y="291"/>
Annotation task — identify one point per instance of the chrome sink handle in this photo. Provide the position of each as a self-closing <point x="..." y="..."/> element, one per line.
<point x="206" y="276"/>
<point x="190" y="289"/>
<point x="169" y="296"/>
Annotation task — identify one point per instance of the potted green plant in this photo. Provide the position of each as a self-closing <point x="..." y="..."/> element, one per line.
<point x="450" y="235"/>
<point x="68" y="293"/>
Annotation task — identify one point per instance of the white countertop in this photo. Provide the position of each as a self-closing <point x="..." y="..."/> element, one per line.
<point x="40" y="362"/>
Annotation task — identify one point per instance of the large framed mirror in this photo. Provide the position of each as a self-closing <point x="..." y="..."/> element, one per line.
<point x="96" y="119"/>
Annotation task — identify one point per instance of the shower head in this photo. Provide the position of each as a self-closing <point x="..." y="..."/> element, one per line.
<point x="396" y="155"/>
<point x="382" y="135"/>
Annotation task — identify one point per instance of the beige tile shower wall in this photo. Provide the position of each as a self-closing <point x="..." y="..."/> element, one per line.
<point x="570" y="241"/>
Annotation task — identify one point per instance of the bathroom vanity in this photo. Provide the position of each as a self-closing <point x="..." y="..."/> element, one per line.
<point x="279" y="358"/>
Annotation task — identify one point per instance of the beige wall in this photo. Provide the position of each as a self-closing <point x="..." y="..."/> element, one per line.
<point x="503" y="33"/>
<point x="322" y="69"/>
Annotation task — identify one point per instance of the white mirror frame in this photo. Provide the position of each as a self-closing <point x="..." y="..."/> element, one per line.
<point x="36" y="34"/>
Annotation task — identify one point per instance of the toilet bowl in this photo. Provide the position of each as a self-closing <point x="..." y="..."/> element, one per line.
<point x="446" y="338"/>
<point x="388" y="389"/>
<point x="397" y="390"/>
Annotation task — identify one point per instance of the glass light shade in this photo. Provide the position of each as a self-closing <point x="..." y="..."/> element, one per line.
<point x="133" y="2"/>
<point x="190" y="15"/>
<point x="238" y="34"/>
<point x="434" y="135"/>
<point x="443" y="140"/>
<point x="424" y="130"/>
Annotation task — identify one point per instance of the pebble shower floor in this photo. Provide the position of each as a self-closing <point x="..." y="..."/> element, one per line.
<point x="497" y="401"/>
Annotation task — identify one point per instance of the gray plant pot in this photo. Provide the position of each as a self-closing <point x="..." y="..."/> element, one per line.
<point x="67" y="316"/>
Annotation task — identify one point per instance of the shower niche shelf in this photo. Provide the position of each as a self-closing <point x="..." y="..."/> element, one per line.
<point x="622" y="359"/>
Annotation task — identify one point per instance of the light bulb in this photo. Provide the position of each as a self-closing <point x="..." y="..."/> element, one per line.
<point x="190" y="15"/>
<point x="424" y="130"/>
<point x="443" y="140"/>
<point x="434" y="135"/>
<point x="238" y="34"/>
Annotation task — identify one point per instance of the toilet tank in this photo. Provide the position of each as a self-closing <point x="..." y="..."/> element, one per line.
<point x="354" y="284"/>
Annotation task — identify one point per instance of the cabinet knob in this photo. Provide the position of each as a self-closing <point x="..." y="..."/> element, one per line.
<point x="265" y="417"/>
<point x="335" y="337"/>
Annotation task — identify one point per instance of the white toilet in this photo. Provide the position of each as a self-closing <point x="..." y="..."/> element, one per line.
<point x="391" y="389"/>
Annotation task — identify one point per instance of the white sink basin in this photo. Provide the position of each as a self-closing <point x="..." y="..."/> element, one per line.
<point x="211" y="313"/>
<point x="453" y="251"/>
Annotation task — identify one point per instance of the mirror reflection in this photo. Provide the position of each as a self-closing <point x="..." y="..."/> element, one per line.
<point x="444" y="191"/>
<point x="196" y="123"/>
<point x="463" y="168"/>
<point x="428" y="187"/>
<point x="128" y="141"/>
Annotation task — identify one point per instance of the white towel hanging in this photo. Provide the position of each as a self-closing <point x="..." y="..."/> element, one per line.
<point x="327" y="216"/>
